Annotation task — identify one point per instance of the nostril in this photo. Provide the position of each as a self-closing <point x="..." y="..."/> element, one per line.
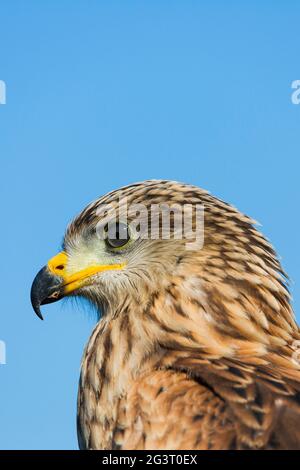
<point x="60" y="267"/>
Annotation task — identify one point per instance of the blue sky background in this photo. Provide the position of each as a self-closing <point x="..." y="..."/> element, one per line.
<point x="104" y="93"/>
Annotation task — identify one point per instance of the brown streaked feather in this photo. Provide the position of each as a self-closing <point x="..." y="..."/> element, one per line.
<point x="197" y="351"/>
<point x="169" y="410"/>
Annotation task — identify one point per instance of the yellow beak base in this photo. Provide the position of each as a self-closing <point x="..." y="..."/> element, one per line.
<point x="58" y="266"/>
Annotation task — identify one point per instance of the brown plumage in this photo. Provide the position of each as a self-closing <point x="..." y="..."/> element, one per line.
<point x="194" y="349"/>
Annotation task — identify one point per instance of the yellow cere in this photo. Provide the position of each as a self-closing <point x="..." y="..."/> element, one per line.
<point x="57" y="266"/>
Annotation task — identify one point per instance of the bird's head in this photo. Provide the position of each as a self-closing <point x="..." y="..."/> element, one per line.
<point x="223" y="271"/>
<point x="116" y="248"/>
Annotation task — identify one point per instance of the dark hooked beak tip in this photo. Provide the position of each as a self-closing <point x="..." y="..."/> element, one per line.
<point x="46" y="288"/>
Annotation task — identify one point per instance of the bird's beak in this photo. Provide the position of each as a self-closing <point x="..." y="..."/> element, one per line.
<point x="53" y="282"/>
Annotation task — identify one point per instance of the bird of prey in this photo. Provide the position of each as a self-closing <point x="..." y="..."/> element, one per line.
<point x="194" y="348"/>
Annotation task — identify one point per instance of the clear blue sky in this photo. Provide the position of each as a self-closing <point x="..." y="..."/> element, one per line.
<point x="104" y="93"/>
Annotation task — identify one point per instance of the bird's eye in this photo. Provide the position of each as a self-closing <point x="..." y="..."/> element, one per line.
<point x="117" y="235"/>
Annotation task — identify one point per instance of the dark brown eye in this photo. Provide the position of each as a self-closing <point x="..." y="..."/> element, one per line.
<point x="117" y="235"/>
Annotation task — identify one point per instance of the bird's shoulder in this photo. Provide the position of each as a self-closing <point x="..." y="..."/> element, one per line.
<point x="167" y="409"/>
